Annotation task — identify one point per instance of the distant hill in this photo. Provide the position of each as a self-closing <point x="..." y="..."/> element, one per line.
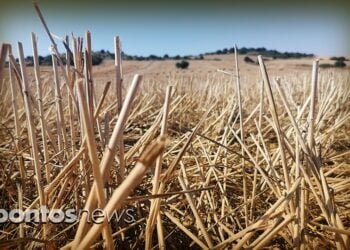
<point x="274" y="54"/>
<point x="99" y="56"/>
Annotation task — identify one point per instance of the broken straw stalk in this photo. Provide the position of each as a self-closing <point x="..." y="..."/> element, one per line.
<point x="134" y="178"/>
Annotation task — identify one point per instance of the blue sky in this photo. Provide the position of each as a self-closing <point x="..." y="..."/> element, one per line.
<point x="182" y="29"/>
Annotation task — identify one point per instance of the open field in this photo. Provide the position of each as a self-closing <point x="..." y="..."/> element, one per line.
<point x="243" y="164"/>
<point x="132" y="155"/>
<point x="156" y="69"/>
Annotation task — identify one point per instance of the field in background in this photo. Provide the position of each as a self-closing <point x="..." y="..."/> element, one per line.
<point x="211" y="64"/>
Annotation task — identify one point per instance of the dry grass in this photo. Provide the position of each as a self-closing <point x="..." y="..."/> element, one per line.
<point x="250" y="162"/>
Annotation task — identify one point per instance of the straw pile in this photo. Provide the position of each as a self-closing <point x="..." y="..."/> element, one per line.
<point x="235" y="163"/>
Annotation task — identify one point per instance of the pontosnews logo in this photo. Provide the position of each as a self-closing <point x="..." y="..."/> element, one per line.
<point x="70" y="216"/>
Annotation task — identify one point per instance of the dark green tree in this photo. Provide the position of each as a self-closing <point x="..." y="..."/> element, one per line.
<point x="340" y="64"/>
<point x="182" y="65"/>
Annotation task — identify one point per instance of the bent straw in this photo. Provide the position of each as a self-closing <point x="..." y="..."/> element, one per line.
<point x="109" y="153"/>
<point x="91" y="145"/>
<point x="147" y="159"/>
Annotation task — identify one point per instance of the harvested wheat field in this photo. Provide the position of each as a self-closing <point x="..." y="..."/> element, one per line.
<point x="134" y="155"/>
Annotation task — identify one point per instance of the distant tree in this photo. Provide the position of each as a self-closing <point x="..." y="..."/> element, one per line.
<point x="341" y="58"/>
<point x="29" y="61"/>
<point x="154" y="57"/>
<point x="63" y="58"/>
<point x="166" y="56"/>
<point x="339" y="64"/>
<point x="241" y="51"/>
<point x="41" y="59"/>
<point x="182" y="65"/>
<point x="262" y="49"/>
<point x="47" y="60"/>
<point x="97" y="58"/>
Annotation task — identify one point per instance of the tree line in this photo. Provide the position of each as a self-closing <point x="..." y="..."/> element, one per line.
<point x="99" y="56"/>
<point x="274" y="54"/>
